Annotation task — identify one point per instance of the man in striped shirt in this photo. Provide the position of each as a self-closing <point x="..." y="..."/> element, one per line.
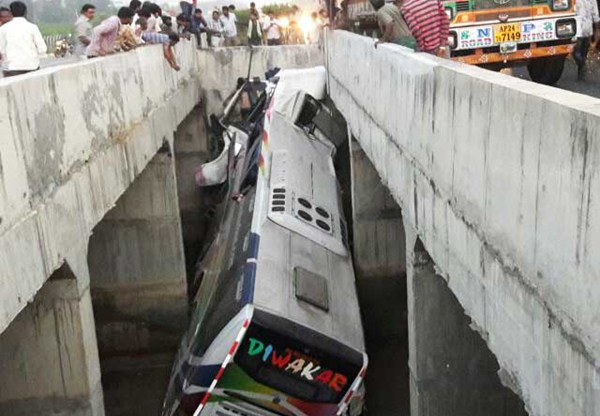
<point x="428" y="23"/>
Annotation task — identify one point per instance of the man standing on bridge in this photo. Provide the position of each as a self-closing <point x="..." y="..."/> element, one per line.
<point x="83" y="28"/>
<point x="587" y="11"/>
<point x="392" y="24"/>
<point x="21" y="43"/>
<point x="105" y="34"/>
<point x="5" y="15"/>
<point x="428" y="23"/>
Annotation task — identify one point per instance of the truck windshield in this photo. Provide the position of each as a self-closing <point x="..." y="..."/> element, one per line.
<point x="500" y="4"/>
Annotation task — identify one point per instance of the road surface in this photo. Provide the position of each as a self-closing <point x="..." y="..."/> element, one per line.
<point x="591" y="85"/>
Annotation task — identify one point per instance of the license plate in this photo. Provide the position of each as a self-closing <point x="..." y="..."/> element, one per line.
<point x="508" y="32"/>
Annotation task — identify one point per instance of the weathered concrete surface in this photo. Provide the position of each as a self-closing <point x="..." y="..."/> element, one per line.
<point x="452" y="371"/>
<point x="48" y="355"/>
<point x="192" y="148"/>
<point x="73" y="139"/>
<point x="137" y="267"/>
<point x="499" y="178"/>
<point x="380" y="265"/>
<point x="379" y="244"/>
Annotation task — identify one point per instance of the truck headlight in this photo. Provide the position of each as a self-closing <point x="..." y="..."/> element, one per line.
<point x="452" y="40"/>
<point x="558" y="5"/>
<point x="566" y="28"/>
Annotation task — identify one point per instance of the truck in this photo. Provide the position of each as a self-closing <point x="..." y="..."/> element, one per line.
<point x="497" y="34"/>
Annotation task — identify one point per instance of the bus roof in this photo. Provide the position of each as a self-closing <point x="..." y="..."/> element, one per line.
<point x="304" y="272"/>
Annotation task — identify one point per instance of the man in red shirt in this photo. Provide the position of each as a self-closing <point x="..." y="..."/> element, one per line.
<point x="428" y="23"/>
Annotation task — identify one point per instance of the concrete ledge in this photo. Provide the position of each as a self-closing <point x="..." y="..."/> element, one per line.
<point x="74" y="138"/>
<point x="499" y="177"/>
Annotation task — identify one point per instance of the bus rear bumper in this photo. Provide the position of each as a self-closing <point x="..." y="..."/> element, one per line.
<point x="514" y="58"/>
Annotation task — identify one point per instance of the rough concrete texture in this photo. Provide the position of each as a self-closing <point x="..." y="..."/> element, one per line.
<point x="378" y="248"/>
<point x="499" y="177"/>
<point x="452" y="371"/>
<point x="48" y="355"/>
<point x="73" y="139"/>
<point x="137" y="267"/>
<point x="192" y="148"/>
<point x="223" y="66"/>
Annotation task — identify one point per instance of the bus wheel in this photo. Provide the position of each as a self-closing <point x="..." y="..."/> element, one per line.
<point x="546" y="70"/>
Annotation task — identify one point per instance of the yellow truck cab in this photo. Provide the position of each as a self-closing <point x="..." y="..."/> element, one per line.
<point x="500" y="33"/>
<point x="503" y="33"/>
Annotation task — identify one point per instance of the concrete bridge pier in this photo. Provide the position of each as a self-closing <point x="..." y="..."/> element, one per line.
<point x="48" y="355"/>
<point x="380" y="265"/>
<point x="452" y="371"/>
<point x="424" y="356"/>
<point x="137" y="266"/>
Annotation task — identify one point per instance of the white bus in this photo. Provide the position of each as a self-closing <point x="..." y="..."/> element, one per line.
<point x="276" y="328"/>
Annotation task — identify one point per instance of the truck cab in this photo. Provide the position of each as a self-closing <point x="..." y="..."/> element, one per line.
<point x="500" y="33"/>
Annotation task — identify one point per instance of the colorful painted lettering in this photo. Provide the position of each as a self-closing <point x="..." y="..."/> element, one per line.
<point x="296" y="363"/>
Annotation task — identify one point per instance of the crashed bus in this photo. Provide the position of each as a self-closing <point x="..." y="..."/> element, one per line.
<point x="276" y="327"/>
<point x="500" y="33"/>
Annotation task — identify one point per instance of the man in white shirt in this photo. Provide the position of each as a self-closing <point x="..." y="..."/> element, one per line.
<point x="83" y="28"/>
<point x="273" y="29"/>
<point x="229" y="28"/>
<point x="214" y="29"/>
<point x="21" y="43"/>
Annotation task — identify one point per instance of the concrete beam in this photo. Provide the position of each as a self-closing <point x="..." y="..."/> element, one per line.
<point x="74" y="138"/>
<point x="137" y="266"/>
<point x="379" y="243"/>
<point x="48" y="355"/>
<point x="452" y="371"/>
<point x="497" y="176"/>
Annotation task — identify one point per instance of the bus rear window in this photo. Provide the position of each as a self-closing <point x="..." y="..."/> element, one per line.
<point x="297" y="361"/>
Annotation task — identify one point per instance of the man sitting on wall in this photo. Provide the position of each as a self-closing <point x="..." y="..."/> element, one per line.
<point x="21" y="43"/>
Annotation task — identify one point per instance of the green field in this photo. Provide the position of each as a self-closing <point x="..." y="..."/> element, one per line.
<point x="49" y="29"/>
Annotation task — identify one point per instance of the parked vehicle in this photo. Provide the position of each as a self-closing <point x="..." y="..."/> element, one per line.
<point x="62" y="48"/>
<point x="501" y="33"/>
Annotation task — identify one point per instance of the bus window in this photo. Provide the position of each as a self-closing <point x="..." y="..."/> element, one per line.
<point x="218" y="298"/>
<point x="296" y="361"/>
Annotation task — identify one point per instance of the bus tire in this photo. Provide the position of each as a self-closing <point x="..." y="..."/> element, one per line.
<point x="546" y="70"/>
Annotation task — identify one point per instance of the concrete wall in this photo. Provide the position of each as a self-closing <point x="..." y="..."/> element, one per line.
<point x="48" y="355"/>
<point x="379" y="244"/>
<point x="137" y="267"/>
<point x="452" y="371"/>
<point x="73" y="139"/>
<point x="499" y="178"/>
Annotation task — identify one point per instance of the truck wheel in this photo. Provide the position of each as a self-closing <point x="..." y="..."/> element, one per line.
<point x="546" y="70"/>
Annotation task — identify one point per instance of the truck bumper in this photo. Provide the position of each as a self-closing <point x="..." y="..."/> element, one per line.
<point x="482" y="58"/>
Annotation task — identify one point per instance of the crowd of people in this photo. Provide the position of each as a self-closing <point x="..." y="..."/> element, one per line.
<point x="417" y="24"/>
<point x="223" y="28"/>
<point x="21" y="43"/>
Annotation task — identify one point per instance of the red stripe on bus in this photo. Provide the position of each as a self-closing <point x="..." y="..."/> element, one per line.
<point x="233" y="347"/>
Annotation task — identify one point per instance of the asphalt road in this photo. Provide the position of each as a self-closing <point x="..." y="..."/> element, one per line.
<point x="52" y="61"/>
<point x="591" y="84"/>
